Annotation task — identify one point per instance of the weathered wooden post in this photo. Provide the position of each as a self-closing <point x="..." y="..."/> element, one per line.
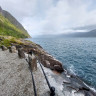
<point x="21" y="53"/>
<point x="32" y="61"/>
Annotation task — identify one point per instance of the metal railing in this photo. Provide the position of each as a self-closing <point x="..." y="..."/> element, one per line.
<point x="52" y="89"/>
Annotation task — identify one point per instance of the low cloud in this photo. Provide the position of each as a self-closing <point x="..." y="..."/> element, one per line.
<point x="51" y="16"/>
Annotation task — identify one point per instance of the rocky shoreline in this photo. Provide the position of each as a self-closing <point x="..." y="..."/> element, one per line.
<point x="71" y="84"/>
<point x="46" y="59"/>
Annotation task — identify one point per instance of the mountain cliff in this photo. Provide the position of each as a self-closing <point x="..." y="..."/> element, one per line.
<point x="10" y="26"/>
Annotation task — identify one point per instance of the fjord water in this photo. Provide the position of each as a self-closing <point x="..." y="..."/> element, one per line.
<point x="78" y="55"/>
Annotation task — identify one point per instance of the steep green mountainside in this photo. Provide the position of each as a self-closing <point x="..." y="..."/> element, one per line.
<point x="13" y="21"/>
<point x="10" y="26"/>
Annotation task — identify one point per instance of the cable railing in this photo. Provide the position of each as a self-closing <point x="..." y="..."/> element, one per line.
<point x="52" y="89"/>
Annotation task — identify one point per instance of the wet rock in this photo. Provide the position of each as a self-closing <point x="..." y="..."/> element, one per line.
<point x="12" y="49"/>
<point x="3" y="48"/>
<point x="51" y="67"/>
<point x="58" y="68"/>
<point x="21" y="53"/>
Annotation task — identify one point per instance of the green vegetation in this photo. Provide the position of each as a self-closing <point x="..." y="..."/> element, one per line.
<point x="8" y="40"/>
<point x="6" y="43"/>
<point x="8" y="29"/>
<point x="13" y="20"/>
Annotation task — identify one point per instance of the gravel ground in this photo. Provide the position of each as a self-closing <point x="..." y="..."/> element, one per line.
<point x="15" y="77"/>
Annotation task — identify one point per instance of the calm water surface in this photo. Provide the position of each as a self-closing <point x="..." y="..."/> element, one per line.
<point x="78" y="55"/>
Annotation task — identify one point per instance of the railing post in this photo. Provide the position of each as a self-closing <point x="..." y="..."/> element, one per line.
<point x="21" y="53"/>
<point x="32" y="62"/>
<point x="30" y="67"/>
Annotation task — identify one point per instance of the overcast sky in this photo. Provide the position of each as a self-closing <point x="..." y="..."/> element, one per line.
<point x="51" y="16"/>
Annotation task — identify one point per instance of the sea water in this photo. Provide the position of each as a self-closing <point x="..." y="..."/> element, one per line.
<point x="78" y="55"/>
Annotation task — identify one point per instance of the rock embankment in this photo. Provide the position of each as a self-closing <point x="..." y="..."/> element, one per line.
<point x="46" y="59"/>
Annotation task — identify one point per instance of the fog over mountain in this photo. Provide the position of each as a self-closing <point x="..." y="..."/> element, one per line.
<point x="91" y="33"/>
<point x="87" y="28"/>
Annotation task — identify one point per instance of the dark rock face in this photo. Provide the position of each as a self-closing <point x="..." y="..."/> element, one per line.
<point x="57" y="67"/>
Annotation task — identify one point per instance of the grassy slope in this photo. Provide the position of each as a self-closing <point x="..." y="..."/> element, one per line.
<point x="8" y="40"/>
<point x="13" y="20"/>
<point x="8" y="29"/>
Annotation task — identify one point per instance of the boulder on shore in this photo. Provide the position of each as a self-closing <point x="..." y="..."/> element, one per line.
<point x="49" y="62"/>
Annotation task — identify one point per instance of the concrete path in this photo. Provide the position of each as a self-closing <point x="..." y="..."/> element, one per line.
<point x="15" y="77"/>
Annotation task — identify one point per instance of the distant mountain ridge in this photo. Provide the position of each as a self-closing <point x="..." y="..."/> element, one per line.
<point x="7" y="16"/>
<point x="91" y="33"/>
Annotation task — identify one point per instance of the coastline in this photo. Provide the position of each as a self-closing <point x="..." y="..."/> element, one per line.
<point x="76" y="83"/>
<point x="71" y="83"/>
